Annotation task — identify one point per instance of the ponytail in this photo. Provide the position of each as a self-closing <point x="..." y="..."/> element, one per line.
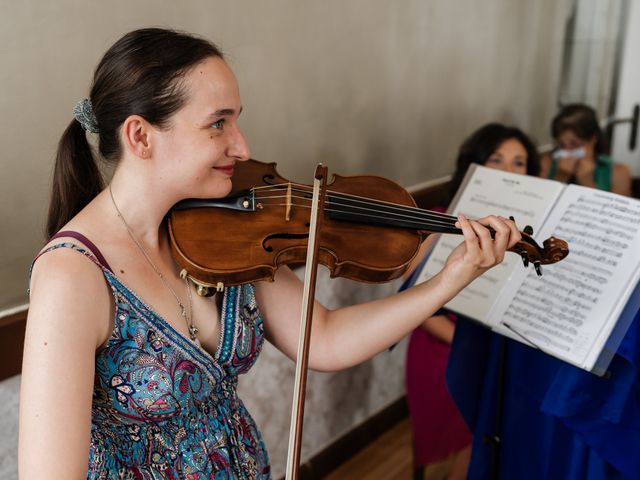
<point x="76" y="178"/>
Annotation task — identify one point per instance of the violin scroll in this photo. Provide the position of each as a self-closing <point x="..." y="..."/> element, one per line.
<point x="552" y="251"/>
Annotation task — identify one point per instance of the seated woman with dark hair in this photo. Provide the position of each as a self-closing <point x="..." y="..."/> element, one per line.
<point x="579" y="154"/>
<point x="439" y="432"/>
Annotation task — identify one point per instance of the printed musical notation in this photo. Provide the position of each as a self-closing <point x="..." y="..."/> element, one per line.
<point x="571" y="311"/>
<point x="483" y="204"/>
<point x="525" y="198"/>
<point x="560" y="310"/>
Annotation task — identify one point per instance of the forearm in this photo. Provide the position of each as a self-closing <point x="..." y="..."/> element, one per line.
<point x="345" y="337"/>
<point x="351" y="335"/>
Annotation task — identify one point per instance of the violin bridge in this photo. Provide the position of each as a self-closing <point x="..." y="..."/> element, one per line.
<point x="287" y="214"/>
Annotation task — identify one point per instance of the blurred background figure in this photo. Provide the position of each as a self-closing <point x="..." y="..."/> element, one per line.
<point x="579" y="156"/>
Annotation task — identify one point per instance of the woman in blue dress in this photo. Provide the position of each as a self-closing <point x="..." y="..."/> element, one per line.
<point x="127" y="373"/>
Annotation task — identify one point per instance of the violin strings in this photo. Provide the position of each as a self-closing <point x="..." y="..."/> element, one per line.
<point x="369" y="212"/>
<point x="425" y="219"/>
<point x="407" y="222"/>
<point x="420" y="218"/>
<point x="417" y="222"/>
<point x="363" y="207"/>
<point x="364" y="200"/>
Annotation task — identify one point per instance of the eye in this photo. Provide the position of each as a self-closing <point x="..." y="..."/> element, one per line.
<point x="218" y="124"/>
<point x="494" y="159"/>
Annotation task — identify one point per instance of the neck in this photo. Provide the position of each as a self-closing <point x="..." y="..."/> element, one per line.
<point x="142" y="205"/>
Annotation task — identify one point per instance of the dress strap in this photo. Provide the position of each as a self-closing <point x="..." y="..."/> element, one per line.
<point x="88" y="243"/>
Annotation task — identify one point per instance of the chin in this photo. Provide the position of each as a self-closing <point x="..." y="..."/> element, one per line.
<point x="220" y="190"/>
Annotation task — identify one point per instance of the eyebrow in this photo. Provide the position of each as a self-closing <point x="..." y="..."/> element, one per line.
<point x="224" y="112"/>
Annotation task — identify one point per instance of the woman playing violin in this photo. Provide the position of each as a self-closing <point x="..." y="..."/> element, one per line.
<point x="128" y="373"/>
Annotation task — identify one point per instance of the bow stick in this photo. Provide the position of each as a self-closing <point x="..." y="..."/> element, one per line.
<point x="308" y="297"/>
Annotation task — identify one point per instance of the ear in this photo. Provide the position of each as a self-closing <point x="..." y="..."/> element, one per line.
<point x="136" y="138"/>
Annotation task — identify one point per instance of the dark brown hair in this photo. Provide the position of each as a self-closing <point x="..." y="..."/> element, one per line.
<point x="139" y="75"/>
<point x="482" y="143"/>
<point x="582" y="120"/>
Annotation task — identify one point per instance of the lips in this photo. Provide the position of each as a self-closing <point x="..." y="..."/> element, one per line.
<point x="226" y="169"/>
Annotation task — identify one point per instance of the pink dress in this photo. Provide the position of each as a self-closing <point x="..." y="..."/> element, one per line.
<point x="438" y="427"/>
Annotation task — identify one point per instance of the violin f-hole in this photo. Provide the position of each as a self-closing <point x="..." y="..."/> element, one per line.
<point x="281" y="236"/>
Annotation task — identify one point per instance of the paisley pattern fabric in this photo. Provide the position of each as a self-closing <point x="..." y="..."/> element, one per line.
<point x="163" y="408"/>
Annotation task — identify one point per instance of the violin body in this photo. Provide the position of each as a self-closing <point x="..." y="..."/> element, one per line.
<point x="235" y="245"/>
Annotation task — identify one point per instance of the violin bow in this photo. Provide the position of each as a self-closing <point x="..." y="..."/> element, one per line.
<point x="308" y="297"/>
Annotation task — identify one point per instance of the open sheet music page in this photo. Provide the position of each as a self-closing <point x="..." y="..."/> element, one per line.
<point x="487" y="191"/>
<point x="571" y="310"/>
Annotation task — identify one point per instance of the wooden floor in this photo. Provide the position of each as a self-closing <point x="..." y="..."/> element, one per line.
<point x="387" y="458"/>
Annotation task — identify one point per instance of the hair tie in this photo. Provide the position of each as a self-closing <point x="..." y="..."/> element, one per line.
<point x="83" y="113"/>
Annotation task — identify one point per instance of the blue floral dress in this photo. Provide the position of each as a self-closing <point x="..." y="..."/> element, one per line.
<point x="163" y="408"/>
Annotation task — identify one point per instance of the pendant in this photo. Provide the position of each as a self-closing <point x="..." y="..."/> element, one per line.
<point x="193" y="331"/>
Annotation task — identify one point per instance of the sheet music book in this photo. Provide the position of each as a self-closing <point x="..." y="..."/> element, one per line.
<point x="580" y="308"/>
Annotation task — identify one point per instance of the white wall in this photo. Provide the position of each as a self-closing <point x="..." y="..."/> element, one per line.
<point x="629" y="93"/>
<point x="364" y="86"/>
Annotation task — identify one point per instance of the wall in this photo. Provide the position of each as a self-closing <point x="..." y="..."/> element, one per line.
<point x="628" y="93"/>
<point x="388" y="88"/>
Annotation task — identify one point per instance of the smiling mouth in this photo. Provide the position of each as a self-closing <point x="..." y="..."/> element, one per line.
<point x="227" y="169"/>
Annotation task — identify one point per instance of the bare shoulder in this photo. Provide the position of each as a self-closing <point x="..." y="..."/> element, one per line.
<point x="68" y="292"/>
<point x="68" y="314"/>
<point x="621" y="179"/>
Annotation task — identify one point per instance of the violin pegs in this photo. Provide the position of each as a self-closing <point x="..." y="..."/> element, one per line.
<point x="538" y="268"/>
<point x="528" y="230"/>
<point x="525" y="258"/>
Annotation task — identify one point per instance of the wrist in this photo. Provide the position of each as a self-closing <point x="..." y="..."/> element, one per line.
<point x="447" y="285"/>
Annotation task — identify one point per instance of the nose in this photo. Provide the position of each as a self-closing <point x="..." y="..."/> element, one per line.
<point x="238" y="147"/>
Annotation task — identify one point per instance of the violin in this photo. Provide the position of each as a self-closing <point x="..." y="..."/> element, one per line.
<point x="371" y="230"/>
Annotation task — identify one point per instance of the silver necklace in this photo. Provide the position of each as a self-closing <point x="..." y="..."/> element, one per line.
<point x="185" y="313"/>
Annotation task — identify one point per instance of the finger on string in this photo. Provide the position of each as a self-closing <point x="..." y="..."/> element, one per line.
<point x="484" y="235"/>
<point x="470" y="237"/>
<point x="502" y="236"/>
<point x="506" y="232"/>
<point x="514" y="232"/>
